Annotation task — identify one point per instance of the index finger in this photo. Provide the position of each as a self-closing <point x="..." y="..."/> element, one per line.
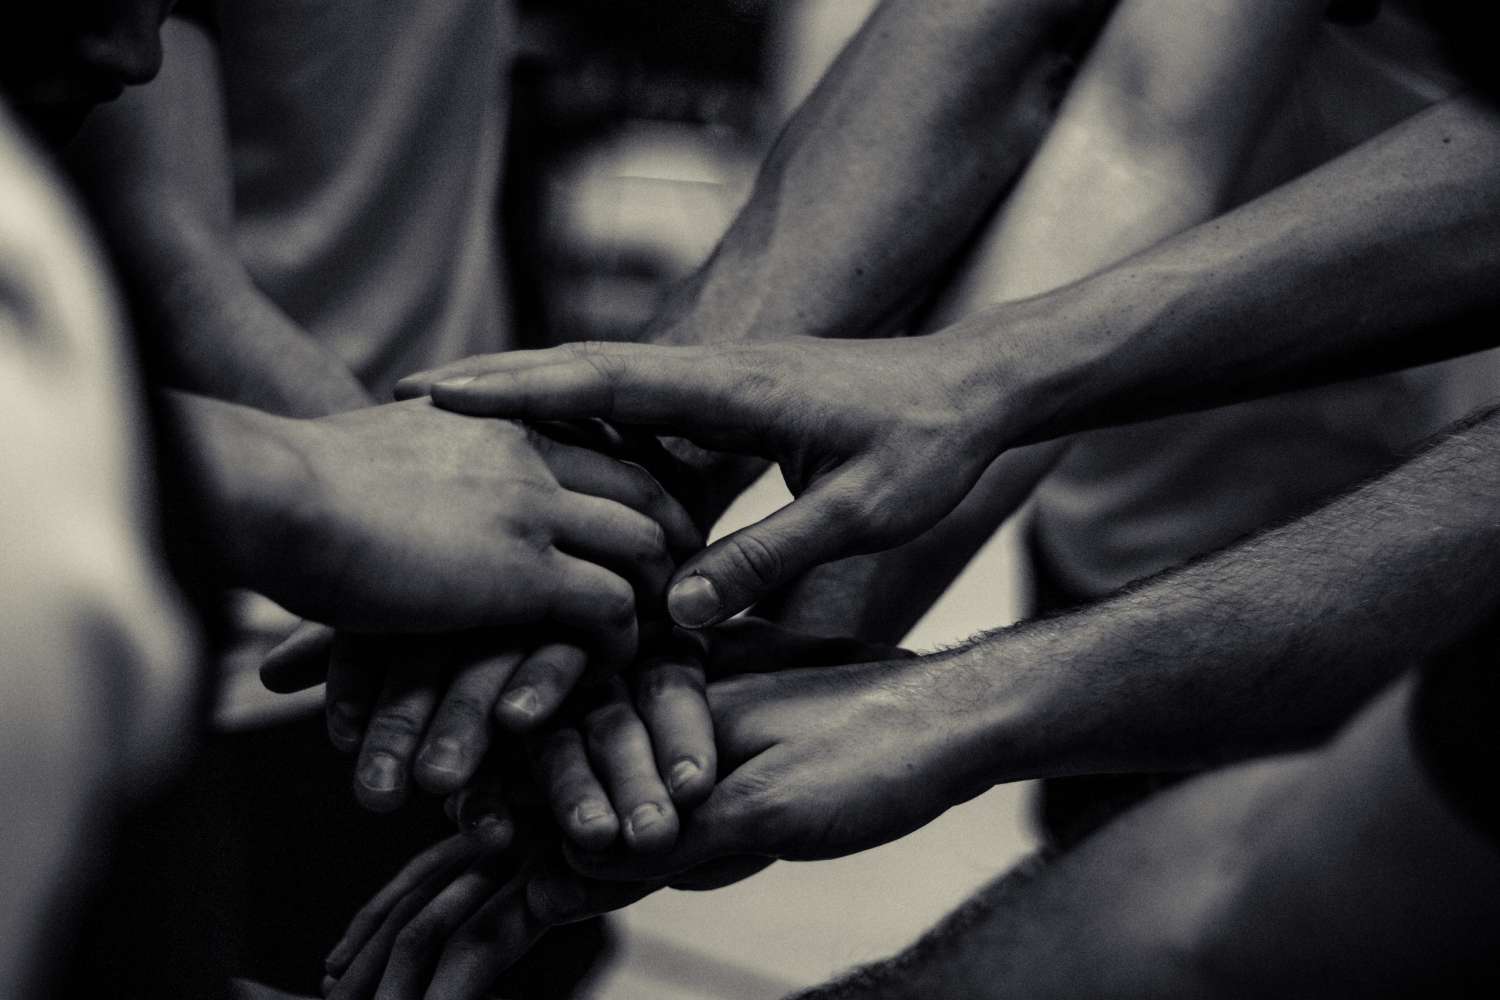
<point x="703" y="393"/>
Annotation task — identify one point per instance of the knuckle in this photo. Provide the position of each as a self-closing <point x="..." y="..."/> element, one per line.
<point x="664" y="680"/>
<point x="465" y="710"/>
<point x="606" y="724"/>
<point x="397" y="723"/>
<point x="852" y="507"/>
<point x="654" y="542"/>
<point x="758" y="560"/>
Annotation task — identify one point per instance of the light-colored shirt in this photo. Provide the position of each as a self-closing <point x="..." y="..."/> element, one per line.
<point x="1127" y="502"/>
<point x="367" y="139"/>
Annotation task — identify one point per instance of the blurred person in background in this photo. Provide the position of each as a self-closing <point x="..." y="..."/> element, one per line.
<point x="305" y="204"/>
<point x="302" y="509"/>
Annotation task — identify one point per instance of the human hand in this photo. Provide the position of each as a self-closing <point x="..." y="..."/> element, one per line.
<point x="877" y="440"/>
<point x="823" y="762"/>
<point x="423" y="706"/>
<point x="416" y="521"/>
<point x="638" y="750"/>
<point x="456" y="918"/>
<point x="642" y="751"/>
<point x="456" y="936"/>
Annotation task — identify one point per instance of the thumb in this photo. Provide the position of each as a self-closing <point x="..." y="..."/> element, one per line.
<point x="746" y="566"/>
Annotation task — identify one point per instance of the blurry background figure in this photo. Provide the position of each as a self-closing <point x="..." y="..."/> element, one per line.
<point x="305" y="205"/>
<point x="97" y="656"/>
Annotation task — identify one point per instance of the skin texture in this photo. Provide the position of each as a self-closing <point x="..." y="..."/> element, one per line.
<point x="458" y="933"/>
<point x="870" y="191"/>
<point x="1267" y="646"/>
<point x="1192" y="318"/>
<point x="759" y="279"/>
<point x="1149" y="141"/>
<point x="420" y="710"/>
<point x="1336" y="872"/>
<point x="328" y="508"/>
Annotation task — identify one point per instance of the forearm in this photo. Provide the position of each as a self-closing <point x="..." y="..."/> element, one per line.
<point x="1334" y="872"/>
<point x="1267" y="645"/>
<point x="1147" y="143"/>
<point x="213" y="332"/>
<point x="881" y="176"/>
<point x="156" y="166"/>
<point x="1381" y="259"/>
<point x="877" y="181"/>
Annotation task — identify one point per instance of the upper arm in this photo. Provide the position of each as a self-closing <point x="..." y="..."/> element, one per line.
<point x="161" y="151"/>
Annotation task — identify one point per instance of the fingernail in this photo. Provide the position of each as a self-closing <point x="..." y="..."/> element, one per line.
<point x="443" y="755"/>
<point x="453" y="383"/>
<point x="683" y="771"/>
<point x="337" y="959"/>
<point x="644" y="818"/>
<point x="694" y="602"/>
<point x="381" y="773"/>
<point x="328" y="984"/>
<point x="523" y="700"/>
<point x="590" y="811"/>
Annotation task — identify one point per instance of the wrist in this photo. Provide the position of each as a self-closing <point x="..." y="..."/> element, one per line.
<point x="255" y="494"/>
<point x="1030" y="369"/>
<point x="1011" y="712"/>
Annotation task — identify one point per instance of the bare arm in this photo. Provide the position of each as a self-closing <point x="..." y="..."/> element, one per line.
<point x="1148" y="143"/>
<point x="1381" y="259"/>
<point x="1264" y="647"/>
<point x="156" y="166"/>
<point x="885" y="171"/>
<point x="1340" y="871"/>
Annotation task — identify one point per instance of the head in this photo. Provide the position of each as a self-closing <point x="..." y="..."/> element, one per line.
<point x="59" y="58"/>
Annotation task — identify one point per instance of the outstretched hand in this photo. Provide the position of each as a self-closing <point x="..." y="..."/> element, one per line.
<point x="878" y="440"/>
<point x="418" y="521"/>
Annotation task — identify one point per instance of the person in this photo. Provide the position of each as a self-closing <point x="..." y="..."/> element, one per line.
<point x="306" y="206"/>
<point x="1355" y="869"/>
<point x="874" y="463"/>
<point x="1264" y="648"/>
<point x="97" y="643"/>
<point x="1026" y="45"/>
<point x="776" y="813"/>
<point x="307" y="510"/>
<point x="879" y="598"/>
